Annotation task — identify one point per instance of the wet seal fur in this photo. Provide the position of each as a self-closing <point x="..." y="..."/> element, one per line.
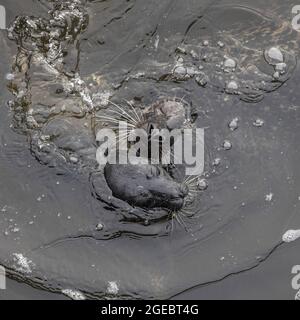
<point x="61" y="134"/>
<point x="149" y="186"/>
<point x="145" y="186"/>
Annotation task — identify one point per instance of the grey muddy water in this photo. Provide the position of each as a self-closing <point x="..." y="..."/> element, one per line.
<point x="64" y="67"/>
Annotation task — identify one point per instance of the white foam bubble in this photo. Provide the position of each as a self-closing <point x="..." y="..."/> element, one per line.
<point x="73" y="294"/>
<point x="280" y="66"/>
<point x="22" y="263"/>
<point x="202" y="184"/>
<point x="227" y="145"/>
<point x="230" y="63"/>
<point x="269" y="197"/>
<point x="258" y="123"/>
<point x="156" y="43"/>
<point x="112" y="288"/>
<point x="291" y="235"/>
<point x="232" y="85"/>
<point x="276" y="75"/>
<point x="234" y="124"/>
<point x="10" y="76"/>
<point x="216" y="162"/>
<point x="99" y="226"/>
<point x="274" y="56"/>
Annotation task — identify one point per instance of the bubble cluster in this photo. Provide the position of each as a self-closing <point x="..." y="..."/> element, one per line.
<point x="227" y="145"/>
<point x="73" y="294"/>
<point x="291" y="236"/>
<point x="234" y="124"/>
<point x="258" y="123"/>
<point x="202" y="184"/>
<point x="22" y="263"/>
<point x="210" y="65"/>
<point x="229" y="63"/>
<point x="274" y="56"/>
<point x="232" y="86"/>
<point x="112" y="288"/>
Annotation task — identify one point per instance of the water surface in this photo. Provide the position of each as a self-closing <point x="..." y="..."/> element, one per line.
<point x="141" y="51"/>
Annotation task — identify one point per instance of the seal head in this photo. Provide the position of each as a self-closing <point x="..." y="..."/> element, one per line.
<point x="146" y="186"/>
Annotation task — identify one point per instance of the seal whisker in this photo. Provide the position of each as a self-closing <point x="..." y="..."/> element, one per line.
<point x="192" y="188"/>
<point x="122" y="115"/>
<point x="122" y="110"/>
<point x="122" y="140"/>
<point x="165" y="155"/>
<point x="114" y="128"/>
<point x="192" y="179"/>
<point x="191" y="195"/>
<point x="133" y="108"/>
<point x="187" y="211"/>
<point x="172" y="223"/>
<point x="187" y="229"/>
<point x="193" y="191"/>
<point x="188" y="178"/>
<point x="107" y="118"/>
<point x="179" y="216"/>
<point x="127" y="134"/>
<point x="176" y="217"/>
<point x="181" y="100"/>
<point x="191" y="185"/>
<point x="116" y="120"/>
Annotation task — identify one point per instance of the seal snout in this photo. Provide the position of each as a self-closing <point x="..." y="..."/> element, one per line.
<point x="178" y="201"/>
<point x="183" y="191"/>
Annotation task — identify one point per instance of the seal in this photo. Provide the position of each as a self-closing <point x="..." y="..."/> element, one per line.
<point x="56" y="109"/>
<point x="148" y="186"/>
<point x="145" y="186"/>
<point x="165" y="113"/>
